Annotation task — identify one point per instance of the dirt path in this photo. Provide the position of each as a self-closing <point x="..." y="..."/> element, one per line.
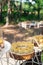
<point x="13" y="33"/>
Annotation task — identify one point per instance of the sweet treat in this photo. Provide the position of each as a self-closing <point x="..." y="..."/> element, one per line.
<point x="22" y="47"/>
<point x="39" y="39"/>
<point x="22" y="50"/>
<point x="1" y="43"/>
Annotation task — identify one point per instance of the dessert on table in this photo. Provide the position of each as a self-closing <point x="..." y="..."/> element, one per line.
<point x="1" y="44"/>
<point x="39" y="41"/>
<point x="22" y="50"/>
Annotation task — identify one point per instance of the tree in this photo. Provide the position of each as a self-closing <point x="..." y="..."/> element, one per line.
<point x="0" y="10"/>
<point x="20" y="9"/>
<point x="8" y="17"/>
<point x="39" y="6"/>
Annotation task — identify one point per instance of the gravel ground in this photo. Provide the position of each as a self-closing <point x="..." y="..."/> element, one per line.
<point x="14" y="33"/>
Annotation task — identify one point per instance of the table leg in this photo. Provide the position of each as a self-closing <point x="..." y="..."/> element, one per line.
<point x="16" y="62"/>
<point x="7" y="56"/>
<point x="1" y="61"/>
<point x="32" y="61"/>
<point x="37" y="59"/>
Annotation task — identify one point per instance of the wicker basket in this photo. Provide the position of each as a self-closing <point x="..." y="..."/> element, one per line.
<point x="22" y="56"/>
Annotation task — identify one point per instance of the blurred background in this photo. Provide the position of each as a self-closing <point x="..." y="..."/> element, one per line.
<point x="15" y="11"/>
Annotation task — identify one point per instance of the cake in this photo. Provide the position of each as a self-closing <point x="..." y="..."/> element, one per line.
<point x="22" y="47"/>
<point x="1" y="43"/>
<point x="39" y="39"/>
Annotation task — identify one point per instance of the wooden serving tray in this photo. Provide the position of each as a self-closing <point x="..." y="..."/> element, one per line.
<point x="22" y="56"/>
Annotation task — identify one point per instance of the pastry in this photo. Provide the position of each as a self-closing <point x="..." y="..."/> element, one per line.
<point x="22" y="47"/>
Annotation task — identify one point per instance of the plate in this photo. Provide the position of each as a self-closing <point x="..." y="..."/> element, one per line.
<point x="37" y="49"/>
<point x="6" y="48"/>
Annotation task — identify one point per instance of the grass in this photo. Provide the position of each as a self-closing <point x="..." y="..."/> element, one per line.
<point x="42" y="57"/>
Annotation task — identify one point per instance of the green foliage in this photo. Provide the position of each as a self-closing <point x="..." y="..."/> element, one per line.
<point x="24" y="11"/>
<point x="5" y="7"/>
<point x="25" y="6"/>
<point x="39" y="3"/>
<point x="38" y="6"/>
<point x="42" y="57"/>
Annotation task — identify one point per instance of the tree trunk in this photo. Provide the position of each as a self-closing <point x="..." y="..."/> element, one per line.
<point x="20" y="5"/>
<point x="0" y="11"/>
<point x="38" y="13"/>
<point x="39" y="10"/>
<point x="8" y="13"/>
<point x="20" y="10"/>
